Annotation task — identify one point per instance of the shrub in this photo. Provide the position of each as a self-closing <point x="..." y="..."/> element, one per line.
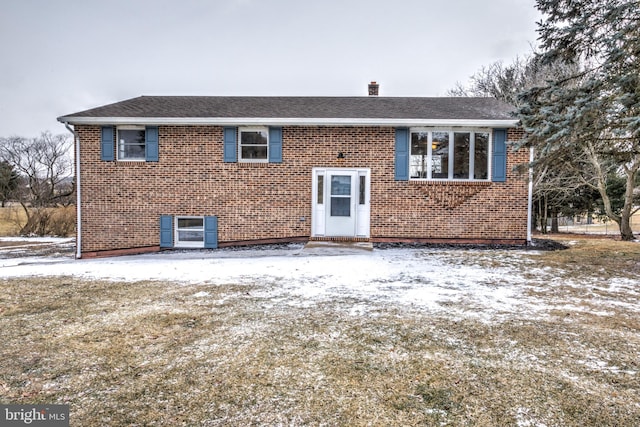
<point x="59" y="221"/>
<point x="63" y="221"/>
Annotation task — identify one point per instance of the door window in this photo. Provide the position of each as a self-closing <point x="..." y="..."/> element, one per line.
<point x="340" y="195"/>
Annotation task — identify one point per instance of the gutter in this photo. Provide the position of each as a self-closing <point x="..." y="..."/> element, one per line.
<point x="78" y="211"/>
<point x="530" y="200"/>
<point x="286" y="121"/>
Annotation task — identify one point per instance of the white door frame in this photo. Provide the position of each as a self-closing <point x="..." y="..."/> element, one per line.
<point x="360" y="196"/>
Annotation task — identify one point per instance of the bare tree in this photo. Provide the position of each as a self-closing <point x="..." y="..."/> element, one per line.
<point x="562" y="187"/>
<point x="45" y="166"/>
<point x="506" y="81"/>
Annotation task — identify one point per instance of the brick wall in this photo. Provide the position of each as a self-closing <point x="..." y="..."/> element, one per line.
<point x="122" y="201"/>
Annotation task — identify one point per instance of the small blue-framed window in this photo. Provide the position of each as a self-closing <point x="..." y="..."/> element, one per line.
<point x="129" y="143"/>
<point x="253" y="144"/>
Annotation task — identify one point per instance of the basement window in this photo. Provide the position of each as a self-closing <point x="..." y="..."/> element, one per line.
<point x="189" y="232"/>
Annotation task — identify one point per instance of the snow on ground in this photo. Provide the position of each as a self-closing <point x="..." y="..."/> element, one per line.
<point x="34" y="250"/>
<point x="34" y="240"/>
<point x="459" y="282"/>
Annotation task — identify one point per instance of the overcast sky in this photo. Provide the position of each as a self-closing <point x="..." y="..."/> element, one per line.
<point x="63" y="56"/>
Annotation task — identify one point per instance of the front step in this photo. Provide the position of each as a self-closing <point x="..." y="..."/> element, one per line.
<point x="338" y="239"/>
<point x="344" y="247"/>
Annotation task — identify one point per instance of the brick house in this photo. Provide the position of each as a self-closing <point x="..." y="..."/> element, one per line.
<point x="201" y="172"/>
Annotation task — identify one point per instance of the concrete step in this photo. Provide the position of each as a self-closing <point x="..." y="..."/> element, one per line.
<point x="316" y="247"/>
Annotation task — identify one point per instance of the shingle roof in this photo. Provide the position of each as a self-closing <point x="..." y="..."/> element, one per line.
<point x="372" y="107"/>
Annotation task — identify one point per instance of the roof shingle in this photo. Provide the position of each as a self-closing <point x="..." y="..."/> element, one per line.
<point x="372" y="107"/>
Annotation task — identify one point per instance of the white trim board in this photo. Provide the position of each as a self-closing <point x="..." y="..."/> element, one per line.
<point x="276" y="121"/>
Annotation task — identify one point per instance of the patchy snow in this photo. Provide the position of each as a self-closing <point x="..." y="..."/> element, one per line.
<point x="524" y="419"/>
<point x="34" y="250"/>
<point x="603" y="366"/>
<point x="201" y="294"/>
<point x="487" y="285"/>
<point x="30" y="240"/>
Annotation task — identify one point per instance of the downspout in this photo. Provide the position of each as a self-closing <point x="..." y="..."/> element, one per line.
<point x="530" y="201"/>
<point x="78" y="211"/>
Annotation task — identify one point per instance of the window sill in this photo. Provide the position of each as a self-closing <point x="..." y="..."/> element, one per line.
<point x="453" y="182"/>
<point x="253" y="164"/>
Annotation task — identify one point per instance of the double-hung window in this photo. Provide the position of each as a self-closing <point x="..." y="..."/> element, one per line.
<point x="131" y="143"/>
<point x="254" y="144"/>
<point x="449" y="154"/>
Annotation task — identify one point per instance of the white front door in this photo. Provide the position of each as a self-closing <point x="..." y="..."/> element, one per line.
<point x="340" y="218"/>
<point x="341" y="202"/>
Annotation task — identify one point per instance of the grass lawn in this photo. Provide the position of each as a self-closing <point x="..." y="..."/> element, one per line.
<point x="57" y="221"/>
<point x="599" y="227"/>
<point x="11" y="220"/>
<point x="161" y="353"/>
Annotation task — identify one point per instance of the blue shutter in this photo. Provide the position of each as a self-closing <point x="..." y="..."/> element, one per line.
<point x="166" y="231"/>
<point x="499" y="166"/>
<point x="402" y="154"/>
<point x="230" y="147"/>
<point x="151" y="144"/>
<point x="275" y="145"/>
<point x="211" y="232"/>
<point x="107" y="150"/>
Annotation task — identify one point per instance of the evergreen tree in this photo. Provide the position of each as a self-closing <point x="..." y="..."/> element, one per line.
<point x="590" y="118"/>
<point x="9" y="180"/>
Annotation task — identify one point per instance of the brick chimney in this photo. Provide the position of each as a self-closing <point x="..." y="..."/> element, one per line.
<point x="373" y="89"/>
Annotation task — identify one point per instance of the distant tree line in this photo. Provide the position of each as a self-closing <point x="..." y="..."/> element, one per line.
<point x="37" y="174"/>
<point x="578" y="100"/>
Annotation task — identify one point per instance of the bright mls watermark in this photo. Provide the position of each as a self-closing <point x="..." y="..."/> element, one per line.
<point x="34" y="415"/>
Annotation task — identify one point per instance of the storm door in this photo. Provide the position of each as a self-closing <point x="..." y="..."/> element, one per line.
<point x="341" y="202"/>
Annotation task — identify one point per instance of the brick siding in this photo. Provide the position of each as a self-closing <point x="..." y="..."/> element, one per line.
<point x="121" y="202"/>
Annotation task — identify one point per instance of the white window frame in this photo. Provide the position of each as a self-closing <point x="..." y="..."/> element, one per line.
<point x="451" y="152"/>
<point x="176" y="234"/>
<point x="130" y="127"/>
<point x="252" y="129"/>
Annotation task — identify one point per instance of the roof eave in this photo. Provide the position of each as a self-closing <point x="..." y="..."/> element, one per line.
<point x="282" y="121"/>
